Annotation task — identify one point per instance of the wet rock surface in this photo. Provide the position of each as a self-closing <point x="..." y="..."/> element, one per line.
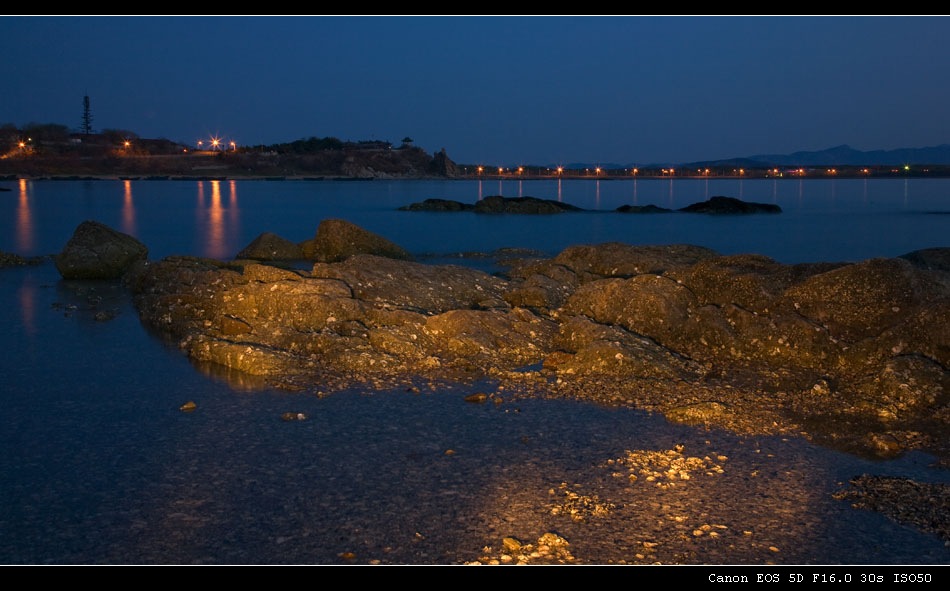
<point x="853" y="356"/>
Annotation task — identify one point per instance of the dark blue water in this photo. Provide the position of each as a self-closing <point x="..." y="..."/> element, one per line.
<point x="99" y="466"/>
<point x="822" y="220"/>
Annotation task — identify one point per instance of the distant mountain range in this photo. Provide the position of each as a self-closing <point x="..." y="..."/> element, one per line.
<point x="843" y="155"/>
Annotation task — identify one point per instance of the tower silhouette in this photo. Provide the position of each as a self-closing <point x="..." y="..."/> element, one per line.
<point x="86" y="126"/>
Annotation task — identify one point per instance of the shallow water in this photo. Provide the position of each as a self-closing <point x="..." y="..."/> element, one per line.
<point x="99" y="465"/>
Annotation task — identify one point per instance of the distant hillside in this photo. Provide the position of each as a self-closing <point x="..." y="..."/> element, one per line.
<point x="842" y="155"/>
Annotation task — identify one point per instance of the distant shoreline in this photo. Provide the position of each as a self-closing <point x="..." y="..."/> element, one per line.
<point x="469" y="177"/>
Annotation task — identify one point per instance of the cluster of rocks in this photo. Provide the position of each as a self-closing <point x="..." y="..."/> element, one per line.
<point x="718" y="205"/>
<point x="9" y="259"/>
<point x="852" y="354"/>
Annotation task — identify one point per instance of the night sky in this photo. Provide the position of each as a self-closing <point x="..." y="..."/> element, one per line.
<point x="497" y="90"/>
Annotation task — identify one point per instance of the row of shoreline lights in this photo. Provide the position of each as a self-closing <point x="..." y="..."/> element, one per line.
<point x="216" y="144"/>
<point x="671" y="172"/>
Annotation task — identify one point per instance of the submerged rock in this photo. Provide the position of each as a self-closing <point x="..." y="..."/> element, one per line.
<point x="438" y="205"/>
<point x="531" y="205"/>
<point x="535" y="205"/>
<point x="9" y="259"/>
<point x="643" y="209"/>
<point x="730" y="206"/>
<point x="495" y="204"/>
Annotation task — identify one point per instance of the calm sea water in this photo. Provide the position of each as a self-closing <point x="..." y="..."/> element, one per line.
<point x="99" y="466"/>
<point x="822" y="220"/>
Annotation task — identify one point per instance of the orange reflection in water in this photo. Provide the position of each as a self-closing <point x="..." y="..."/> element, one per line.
<point x="128" y="210"/>
<point x="214" y="236"/>
<point x="24" y="224"/>
<point x="27" y="295"/>
<point x="219" y="233"/>
<point x="233" y="206"/>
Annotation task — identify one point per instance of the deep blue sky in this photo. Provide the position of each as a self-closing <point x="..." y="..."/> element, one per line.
<point x="493" y="90"/>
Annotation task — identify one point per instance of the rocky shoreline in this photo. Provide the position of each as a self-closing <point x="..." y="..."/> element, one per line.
<point x="853" y="356"/>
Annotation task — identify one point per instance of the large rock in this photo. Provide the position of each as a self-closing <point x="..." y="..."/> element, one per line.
<point x="271" y="247"/>
<point x="96" y="251"/>
<point x="336" y="240"/>
<point x="855" y="354"/>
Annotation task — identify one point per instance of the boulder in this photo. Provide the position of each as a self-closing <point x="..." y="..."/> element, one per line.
<point x="336" y="240"/>
<point x="271" y="247"/>
<point x="96" y="251"/>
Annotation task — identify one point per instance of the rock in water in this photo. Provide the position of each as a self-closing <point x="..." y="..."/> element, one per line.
<point x="337" y="240"/>
<point x="730" y="206"/>
<point x="271" y="247"/>
<point x="96" y="251"/>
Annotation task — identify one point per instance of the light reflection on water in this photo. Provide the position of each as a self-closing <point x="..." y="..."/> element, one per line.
<point x="24" y="229"/>
<point x="128" y="210"/>
<point x="822" y="220"/>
